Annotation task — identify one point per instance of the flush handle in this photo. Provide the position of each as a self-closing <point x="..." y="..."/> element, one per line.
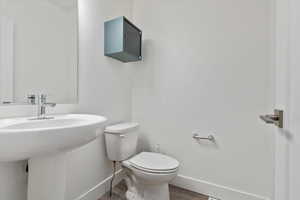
<point x="276" y="118"/>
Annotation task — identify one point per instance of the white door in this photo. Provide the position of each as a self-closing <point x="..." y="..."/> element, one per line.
<point x="287" y="153"/>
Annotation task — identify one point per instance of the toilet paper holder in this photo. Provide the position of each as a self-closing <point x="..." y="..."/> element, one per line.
<point x="211" y="138"/>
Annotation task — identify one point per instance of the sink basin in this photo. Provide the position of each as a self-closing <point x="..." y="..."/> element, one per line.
<point x="25" y="138"/>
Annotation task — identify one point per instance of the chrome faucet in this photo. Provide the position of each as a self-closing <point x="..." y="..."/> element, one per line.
<point x="41" y="102"/>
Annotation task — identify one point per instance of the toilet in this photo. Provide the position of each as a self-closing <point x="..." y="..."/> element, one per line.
<point x="147" y="174"/>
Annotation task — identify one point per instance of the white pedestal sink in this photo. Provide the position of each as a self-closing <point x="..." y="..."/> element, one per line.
<point x="45" y="144"/>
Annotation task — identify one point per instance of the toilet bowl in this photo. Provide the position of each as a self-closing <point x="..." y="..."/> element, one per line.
<point x="147" y="174"/>
<point x="152" y="168"/>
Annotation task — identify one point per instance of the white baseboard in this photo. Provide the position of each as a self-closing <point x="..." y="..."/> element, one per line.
<point x="214" y="190"/>
<point x="101" y="188"/>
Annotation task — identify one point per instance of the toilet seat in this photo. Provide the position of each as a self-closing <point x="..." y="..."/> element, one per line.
<point x="153" y="163"/>
<point x="153" y="171"/>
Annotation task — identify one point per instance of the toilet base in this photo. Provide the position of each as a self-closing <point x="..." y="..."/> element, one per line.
<point x="140" y="191"/>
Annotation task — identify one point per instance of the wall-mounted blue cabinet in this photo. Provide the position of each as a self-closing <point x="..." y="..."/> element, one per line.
<point x="122" y="40"/>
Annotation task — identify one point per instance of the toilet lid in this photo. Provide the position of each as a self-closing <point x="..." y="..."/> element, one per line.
<point x="154" y="162"/>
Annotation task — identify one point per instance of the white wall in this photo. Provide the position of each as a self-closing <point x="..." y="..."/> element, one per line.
<point x="104" y="89"/>
<point x="207" y="68"/>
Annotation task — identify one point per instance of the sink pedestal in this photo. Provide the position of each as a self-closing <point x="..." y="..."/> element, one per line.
<point x="13" y="180"/>
<point x="45" y="180"/>
<point x="47" y="177"/>
<point x="45" y="143"/>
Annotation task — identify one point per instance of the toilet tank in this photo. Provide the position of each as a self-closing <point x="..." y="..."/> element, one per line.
<point x="121" y="141"/>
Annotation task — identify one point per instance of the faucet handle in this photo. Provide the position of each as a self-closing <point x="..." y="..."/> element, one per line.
<point x="31" y="99"/>
<point x="43" y="100"/>
<point x="43" y="96"/>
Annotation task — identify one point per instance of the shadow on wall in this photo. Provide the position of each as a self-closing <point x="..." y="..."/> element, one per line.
<point x="143" y="142"/>
<point x="145" y="68"/>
